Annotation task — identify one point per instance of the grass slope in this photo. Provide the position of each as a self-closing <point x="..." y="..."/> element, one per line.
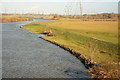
<point x="97" y="40"/>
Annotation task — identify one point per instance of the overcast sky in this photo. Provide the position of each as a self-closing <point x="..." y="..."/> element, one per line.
<point x="59" y="6"/>
<point x="59" y="0"/>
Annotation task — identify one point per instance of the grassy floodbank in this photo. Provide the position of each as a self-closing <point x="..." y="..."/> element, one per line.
<point x="95" y="40"/>
<point x="7" y="18"/>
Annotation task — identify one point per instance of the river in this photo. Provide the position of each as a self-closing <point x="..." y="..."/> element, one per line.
<point x="24" y="55"/>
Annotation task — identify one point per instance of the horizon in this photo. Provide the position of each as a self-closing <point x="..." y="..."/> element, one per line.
<point x="59" y="8"/>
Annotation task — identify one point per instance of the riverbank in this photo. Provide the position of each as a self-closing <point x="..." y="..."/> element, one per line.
<point x="13" y="18"/>
<point x="95" y="69"/>
<point x="4" y="20"/>
<point x="90" y="43"/>
<point x="24" y="55"/>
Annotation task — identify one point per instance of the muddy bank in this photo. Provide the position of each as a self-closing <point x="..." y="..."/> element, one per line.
<point x="94" y="69"/>
<point x="87" y="62"/>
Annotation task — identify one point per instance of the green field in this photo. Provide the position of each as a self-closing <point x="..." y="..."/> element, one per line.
<point x="97" y="40"/>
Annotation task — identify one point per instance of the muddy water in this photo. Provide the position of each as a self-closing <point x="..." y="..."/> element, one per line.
<point x="24" y="55"/>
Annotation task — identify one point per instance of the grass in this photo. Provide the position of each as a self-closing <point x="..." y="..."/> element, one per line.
<point x="11" y="18"/>
<point x="97" y="40"/>
<point x="44" y="17"/>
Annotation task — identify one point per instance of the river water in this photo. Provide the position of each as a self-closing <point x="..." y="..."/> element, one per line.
<point x="24" y="55"/>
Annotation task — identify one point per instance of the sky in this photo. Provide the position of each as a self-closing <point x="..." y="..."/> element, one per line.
<point x="59" y="0"/>
<point x="59" y="6"/>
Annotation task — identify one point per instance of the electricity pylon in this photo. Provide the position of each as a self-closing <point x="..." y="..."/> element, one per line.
<point x="78" y="8"/>
<point x="5" y="10"/>
<point x="67" y="9"/>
